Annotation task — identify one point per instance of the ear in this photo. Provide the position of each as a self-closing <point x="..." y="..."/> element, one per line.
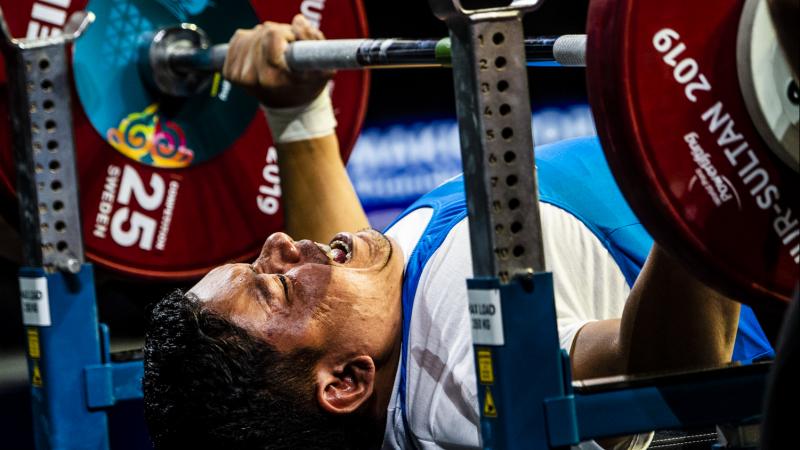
<point x="343" y="388"/>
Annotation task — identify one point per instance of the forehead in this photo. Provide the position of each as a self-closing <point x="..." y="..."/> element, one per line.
<point x="232" y="292"/>
<point x="221" y="281"/>
<point x="229" y="291"/>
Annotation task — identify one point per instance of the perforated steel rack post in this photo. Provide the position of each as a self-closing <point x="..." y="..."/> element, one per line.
<point x="510" y="291"/>
<point x="71" y="375"/>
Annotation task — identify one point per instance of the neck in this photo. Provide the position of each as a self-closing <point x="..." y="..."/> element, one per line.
<point x="386" y="370"/>
<point x="384" y="385"/>
<point x="385" y="377"/>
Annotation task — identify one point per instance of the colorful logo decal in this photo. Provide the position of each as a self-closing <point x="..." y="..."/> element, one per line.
<point x="144" y="137"/>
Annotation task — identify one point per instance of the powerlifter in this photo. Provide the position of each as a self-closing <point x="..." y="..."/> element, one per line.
<point x="302" y="348"/>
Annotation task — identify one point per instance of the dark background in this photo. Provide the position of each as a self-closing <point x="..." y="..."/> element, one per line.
<point x="396" y="96"/>
<point x="422" y="93"/>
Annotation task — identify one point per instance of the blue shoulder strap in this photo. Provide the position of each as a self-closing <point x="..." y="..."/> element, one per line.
<point x="574" y="176"/>
<point x="449" y="208"/>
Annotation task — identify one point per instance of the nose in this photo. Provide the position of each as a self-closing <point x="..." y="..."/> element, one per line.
<point x="278" y="254"/>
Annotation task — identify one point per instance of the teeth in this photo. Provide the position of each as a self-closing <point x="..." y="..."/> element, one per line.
<point x="340" y="245"/>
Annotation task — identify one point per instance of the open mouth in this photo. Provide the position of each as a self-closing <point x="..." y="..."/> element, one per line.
<point x="340" y="249"/>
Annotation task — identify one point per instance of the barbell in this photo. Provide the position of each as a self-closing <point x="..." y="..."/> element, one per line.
<point x="694" y="103"/>
<point x="178" y="60"/>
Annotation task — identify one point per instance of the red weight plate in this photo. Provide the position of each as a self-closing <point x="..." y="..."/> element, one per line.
<point x="208" y="213"/>
<point x="664" y="90"/>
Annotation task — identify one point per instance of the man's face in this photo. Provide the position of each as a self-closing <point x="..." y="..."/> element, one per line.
<point x="342" y="296"/>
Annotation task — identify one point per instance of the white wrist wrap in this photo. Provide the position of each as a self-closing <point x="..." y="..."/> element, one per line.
<point x="300" y="123"/>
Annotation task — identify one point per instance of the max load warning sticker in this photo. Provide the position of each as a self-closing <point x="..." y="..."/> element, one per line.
<point x="35" y="301"/>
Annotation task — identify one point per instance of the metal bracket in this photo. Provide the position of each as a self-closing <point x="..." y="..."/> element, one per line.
<point x="110" y="382"/>
<point x="494" y="115"/>
<point x="44" y="146"/>
<point x="106" y="384"/>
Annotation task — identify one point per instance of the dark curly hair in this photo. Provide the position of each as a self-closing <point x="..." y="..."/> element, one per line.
<point x="209" y="384"/>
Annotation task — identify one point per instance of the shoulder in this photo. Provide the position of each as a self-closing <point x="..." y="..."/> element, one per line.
<point x="574" y="177"/>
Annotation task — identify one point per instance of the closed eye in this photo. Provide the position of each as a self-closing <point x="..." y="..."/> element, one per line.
<point x="282" y="279"/>
<point x="264" y="292"/>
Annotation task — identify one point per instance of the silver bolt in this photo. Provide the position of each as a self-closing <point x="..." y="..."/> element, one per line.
<point x="71" y="265"/>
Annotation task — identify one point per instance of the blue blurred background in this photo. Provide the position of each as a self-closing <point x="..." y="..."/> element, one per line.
<point x="392" y="165"/>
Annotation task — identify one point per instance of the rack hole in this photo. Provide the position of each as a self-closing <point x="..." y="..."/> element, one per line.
<point x="37" y="146"/>
<point x="509" y="156"/>
<point x="44" y="63"/>
<point x="793" y="93"/>
<point x="498" y="38"/>
<point x="58" y="205"/>
<point x="42" y="208"/>
<point x="33" y="107"/>
<point x="511" y="180"/>
<point x="46" y="85"/>
<point x="518" y="251"/>
<point x="48" y="105"/>
<point x="507" y="133"/>
<point x="54" y="166"/>
<point x="39" y="168"/>
<point x="62" y="246"/>
<point x="513" y="204"/>
<point x="44" y="226"/>
<point x="61" y="226"/>
<point x="52" y="145"/>
<point x="505" y="108"/>
<point x="55" y="186"/>
<point x="502" y="85"/>
<point x="516" y="227"/>
<point x="50" y="126"/>
<point x="500" y="62"/>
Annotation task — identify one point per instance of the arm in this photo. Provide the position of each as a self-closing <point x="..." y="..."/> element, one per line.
<point x="318" y="199"/>
<point x="671" y="321"/>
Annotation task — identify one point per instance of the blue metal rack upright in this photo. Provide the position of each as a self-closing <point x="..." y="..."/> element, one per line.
<point x="72" y="378"/>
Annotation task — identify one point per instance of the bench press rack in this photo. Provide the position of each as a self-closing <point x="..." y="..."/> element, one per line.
<point x="527" y="402"/>
<point x="73" y="380"/>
